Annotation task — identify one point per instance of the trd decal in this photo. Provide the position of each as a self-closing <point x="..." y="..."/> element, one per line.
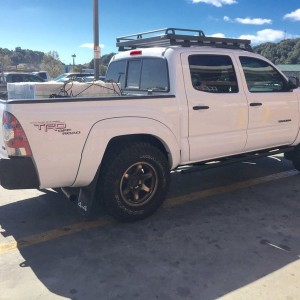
<point x="58" y="126"/>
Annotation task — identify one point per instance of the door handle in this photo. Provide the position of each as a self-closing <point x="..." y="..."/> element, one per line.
<point x="198" y="107"/>
<point x="255" y="104"/>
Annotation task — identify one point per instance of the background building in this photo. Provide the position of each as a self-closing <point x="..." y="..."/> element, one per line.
<point x="290" y="70"/>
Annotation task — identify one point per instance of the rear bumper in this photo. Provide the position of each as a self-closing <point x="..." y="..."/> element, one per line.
<point x="18" y="173"/>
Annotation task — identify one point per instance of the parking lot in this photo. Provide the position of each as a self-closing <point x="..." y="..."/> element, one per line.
<point x="225" y="233"/>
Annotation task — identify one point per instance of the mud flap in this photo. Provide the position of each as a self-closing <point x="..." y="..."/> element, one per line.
<point x="87" y="203"/>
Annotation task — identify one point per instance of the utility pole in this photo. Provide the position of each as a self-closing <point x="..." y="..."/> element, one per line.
<point x="96" y="41"/>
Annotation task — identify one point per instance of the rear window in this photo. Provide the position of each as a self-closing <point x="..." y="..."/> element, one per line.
<point x="116" y="72"/>
<point x="144" y="74"/>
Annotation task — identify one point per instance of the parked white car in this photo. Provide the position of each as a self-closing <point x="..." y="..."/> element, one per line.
<point x="71" y="76"/>
<point x="13" y="77"/>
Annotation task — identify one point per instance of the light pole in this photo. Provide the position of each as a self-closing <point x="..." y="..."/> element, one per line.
<point x="96" y="41"/>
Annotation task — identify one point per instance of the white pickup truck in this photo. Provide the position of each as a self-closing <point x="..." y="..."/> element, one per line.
<point x="185" y="99"/>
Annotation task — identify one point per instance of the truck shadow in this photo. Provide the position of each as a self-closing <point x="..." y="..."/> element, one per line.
<point x="199" y="250"/>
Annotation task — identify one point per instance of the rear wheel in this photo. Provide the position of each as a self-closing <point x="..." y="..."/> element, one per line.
<point x="134" y="181"/>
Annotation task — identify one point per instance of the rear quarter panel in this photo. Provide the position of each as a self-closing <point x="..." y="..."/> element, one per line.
<point x="58" y="131"/>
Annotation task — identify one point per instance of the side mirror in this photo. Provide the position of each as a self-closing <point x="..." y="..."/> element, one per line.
<point x="293" y="82"/>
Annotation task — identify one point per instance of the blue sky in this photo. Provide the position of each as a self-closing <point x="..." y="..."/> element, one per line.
<point x="66" y="26"/>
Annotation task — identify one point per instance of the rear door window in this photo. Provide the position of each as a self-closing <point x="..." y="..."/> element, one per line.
<point x="213" y="73"/>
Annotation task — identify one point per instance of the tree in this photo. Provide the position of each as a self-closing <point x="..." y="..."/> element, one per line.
<point x="104" y="60"/>
<point x="103" y="70"/>
<point x="16" y="58"/>
<point x="5" y="61"/>
<point x="294" y="56"/>
<point x="51" y="64"/>
<point x="78" y="68"/>
<point x="284" y="52"/>
<point x="54" y="55"/>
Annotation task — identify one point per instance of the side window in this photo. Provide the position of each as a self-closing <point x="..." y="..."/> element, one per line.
<point x="26" y="78"/>
<point x="42" y="75"/>
<point x="16" y="78"/>
<point x="213" y="73"/>
<point x="261" y="76"/>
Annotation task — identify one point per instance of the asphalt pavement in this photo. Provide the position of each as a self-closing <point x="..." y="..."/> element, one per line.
<point x="231" y="232"/>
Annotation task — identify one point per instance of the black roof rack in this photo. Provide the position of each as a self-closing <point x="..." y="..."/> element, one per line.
<point x="177" y="36"/>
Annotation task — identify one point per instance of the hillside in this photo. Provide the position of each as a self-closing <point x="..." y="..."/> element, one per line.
<point x="20" y="56"/>
<point x="29" y="60"/>
<point x="284" y="52"/>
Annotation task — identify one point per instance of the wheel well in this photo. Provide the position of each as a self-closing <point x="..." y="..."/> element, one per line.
<point x="120" y="141"/>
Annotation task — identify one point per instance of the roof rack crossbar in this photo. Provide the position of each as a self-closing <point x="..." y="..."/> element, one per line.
<point x="170" y="37"/>
<point x="158" y="32"/>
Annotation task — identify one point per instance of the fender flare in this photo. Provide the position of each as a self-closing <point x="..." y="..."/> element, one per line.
<point x="104" y="130"/>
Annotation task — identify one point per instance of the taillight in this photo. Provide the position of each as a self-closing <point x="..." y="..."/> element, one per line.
<point x="14" y="136"/>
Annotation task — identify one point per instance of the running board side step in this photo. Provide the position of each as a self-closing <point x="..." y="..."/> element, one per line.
<point x="231" y="159"/>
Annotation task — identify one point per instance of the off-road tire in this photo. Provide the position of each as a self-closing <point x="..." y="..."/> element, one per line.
<point x="134" y="181"/>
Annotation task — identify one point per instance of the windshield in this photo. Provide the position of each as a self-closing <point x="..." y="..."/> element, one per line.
<point x="60" y="76"/>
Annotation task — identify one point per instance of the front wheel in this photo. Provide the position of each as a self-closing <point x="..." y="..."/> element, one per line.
<point x="134" y="181"/>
